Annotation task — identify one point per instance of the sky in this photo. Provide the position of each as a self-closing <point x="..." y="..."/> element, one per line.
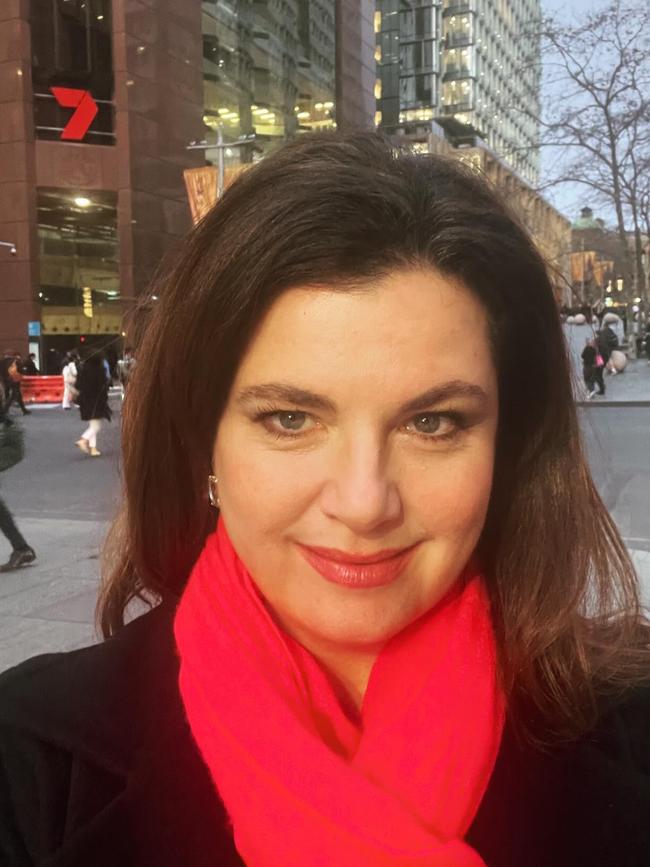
<point x="569" y="200"/>
<point x="569" y="5"/>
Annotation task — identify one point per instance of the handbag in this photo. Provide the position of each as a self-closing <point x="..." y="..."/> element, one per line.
<point x="599" y="360"/>
<point x="12" y="445"/>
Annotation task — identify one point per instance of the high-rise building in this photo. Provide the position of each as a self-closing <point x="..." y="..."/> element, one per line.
<point x="471" y="66"/>
<point x="274" y="70"/>
<point x="99" y="101"/>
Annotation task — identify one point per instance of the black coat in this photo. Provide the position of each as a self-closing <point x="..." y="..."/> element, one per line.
<point x="99" y="769"/>
<point x="93" y="391"/>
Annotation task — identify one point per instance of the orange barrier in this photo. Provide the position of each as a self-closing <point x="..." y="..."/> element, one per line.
<point x="42" y="389"/>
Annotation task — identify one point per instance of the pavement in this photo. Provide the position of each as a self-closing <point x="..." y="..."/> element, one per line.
<point x="630" y="388"/>
<point x="63" y="502"/>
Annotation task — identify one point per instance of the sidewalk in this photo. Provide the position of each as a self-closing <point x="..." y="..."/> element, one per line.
<point x="630" y="388"/>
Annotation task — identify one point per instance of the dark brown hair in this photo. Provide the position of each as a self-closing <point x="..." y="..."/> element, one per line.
<point x="338" y="209"/>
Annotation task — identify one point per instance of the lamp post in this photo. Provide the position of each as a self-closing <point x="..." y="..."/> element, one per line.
<point x="220" y="146"/>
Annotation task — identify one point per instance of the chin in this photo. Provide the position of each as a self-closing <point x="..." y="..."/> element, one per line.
<point x="349" y="628"/>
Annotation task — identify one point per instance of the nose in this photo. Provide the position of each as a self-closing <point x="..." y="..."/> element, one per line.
<point x="358" y="491"/>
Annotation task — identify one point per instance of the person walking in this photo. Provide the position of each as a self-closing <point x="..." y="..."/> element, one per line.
<point x="70" y="373"/>
<point x="607" y="342"/>
<point x="589" y="356"/>
<point x="11" y="452"/>
<point x="11" y="379"/>
<point x="93" y="402"/>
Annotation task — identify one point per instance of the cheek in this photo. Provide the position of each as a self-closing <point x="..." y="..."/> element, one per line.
<point x="451" y="496"/>
<point x="258" y="483"/>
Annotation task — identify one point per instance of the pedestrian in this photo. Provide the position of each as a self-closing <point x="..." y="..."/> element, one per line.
<point x="11" y="452"/>
<point x="392" y="623"/>
<point x="70" y="374"/>
<point x="589" y="356"/>
<point x="125" y="368"/>
<point x="29" y="367"/>
<point x="11" y="377"/>
<point x="93" y="402"/>
<point x="607" y="342"/>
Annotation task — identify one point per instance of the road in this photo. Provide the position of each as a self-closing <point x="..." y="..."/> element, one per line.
<point x="63" y="501"/>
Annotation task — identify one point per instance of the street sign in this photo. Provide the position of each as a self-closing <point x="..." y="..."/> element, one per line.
<point x="85" y="111"/>
<point x="33" y="329"/>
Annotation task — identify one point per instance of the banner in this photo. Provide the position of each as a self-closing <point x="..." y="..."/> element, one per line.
<point x="201" y="187"/>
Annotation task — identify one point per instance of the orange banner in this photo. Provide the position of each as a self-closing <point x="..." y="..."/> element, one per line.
<point x="201" y="187"/>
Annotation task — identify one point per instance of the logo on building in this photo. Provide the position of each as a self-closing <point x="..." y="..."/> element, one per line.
<point x="85" y="111"/>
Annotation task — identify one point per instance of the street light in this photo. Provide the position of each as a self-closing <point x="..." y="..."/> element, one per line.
<point x="12" y="247"/>
<point x="220" y="146"/>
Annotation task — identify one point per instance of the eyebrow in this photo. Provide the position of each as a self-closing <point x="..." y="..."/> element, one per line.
<point x="278" y="391"/>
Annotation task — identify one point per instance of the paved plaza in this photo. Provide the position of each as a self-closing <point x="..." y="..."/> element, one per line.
<point x="63" y="502"/>
<point x="631" y="388"/>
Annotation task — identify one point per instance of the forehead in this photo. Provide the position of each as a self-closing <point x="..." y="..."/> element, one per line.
<point x="406" y="328"/>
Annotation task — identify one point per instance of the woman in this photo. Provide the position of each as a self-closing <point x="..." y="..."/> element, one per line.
<point x="92" y="383"/>
<point x="592" y="368"/>
<point x="396" y="624"/>
<point x="69" y="373"/>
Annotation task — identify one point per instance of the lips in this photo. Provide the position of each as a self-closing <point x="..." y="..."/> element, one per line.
<point x="358" y="571"/>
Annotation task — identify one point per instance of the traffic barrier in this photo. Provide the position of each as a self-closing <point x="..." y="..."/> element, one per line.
<point x="42" y="389"/>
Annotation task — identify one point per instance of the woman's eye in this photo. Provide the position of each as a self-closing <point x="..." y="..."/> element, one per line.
<point x="284" y="422"/>
<point x="434" y="425"/>
<point x="291" y="420"/>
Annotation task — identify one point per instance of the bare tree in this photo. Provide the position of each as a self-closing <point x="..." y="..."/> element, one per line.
<point x="596" y="118"/>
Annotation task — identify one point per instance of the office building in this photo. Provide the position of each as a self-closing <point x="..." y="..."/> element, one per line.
<point x="99" y="101"/>
<point x="471" y="66"/>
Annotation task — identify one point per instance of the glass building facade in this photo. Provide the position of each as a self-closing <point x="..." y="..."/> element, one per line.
<point x="78" y="266"/>
<point x="475" y="62"/>
<point x="269" y="71"/>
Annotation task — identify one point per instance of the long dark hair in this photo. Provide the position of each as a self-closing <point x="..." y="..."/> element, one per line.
<point x="335" y="209"/>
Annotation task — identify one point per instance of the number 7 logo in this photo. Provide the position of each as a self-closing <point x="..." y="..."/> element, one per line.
<point x="86" y="110"/>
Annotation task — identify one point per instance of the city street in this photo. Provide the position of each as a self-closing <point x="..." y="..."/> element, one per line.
<point x="64" y="500"/>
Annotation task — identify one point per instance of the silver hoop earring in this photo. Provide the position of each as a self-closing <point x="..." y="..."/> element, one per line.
<point x="214" y="498"/>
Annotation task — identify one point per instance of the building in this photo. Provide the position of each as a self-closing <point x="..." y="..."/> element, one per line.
<point x="274" y="70"/>
<point x="99" y="101"/>
<point x="550" y="229"/>
<point x="472" y="66"/>
<point x="599" y="265"/>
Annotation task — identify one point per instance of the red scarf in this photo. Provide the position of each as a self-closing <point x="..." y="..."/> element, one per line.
<point x="303" y="785"/>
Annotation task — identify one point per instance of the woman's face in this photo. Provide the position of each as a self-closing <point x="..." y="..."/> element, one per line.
<point x="360" y="421"/>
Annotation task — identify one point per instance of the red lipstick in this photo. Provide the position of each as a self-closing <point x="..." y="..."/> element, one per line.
<point x="356" y="570"/>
